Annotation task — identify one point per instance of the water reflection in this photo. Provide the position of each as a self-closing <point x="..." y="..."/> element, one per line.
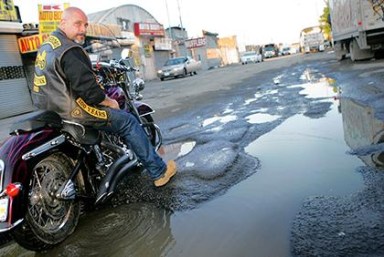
<point x="363" y="132"/>
<point x="173" y="151"/>
<point x="221" y="119"/>
<point x="324" y="88"/>
<point x="133" y="230"/>
<point x="258" y="118"/>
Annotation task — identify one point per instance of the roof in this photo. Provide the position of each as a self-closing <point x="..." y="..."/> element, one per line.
<point x="132" y="12"/>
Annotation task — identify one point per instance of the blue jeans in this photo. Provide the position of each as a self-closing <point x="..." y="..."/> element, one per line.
<point x="128" y="127"/>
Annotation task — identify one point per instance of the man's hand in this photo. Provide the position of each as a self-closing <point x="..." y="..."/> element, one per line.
<point x="112" y="103"/>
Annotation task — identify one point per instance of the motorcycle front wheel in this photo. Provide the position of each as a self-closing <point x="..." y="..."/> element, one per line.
<point x="49" y="220"/>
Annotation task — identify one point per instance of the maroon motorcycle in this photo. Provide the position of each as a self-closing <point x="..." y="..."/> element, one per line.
<point x="51" y="168"/>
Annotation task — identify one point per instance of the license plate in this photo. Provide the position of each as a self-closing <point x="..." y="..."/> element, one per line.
<point x="3" y="209"/>
<point x="166" y="73"/>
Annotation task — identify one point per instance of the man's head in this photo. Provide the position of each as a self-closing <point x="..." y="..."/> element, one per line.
<point x="74" y="23"/>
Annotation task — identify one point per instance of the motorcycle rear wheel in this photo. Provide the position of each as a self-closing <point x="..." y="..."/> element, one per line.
<point x="49" y="220"/>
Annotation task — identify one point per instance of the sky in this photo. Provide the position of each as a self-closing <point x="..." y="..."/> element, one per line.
<point x="253" y="22"/>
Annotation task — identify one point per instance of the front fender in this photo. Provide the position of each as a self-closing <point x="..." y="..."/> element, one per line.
<point x="17" y="169"/>
<point x="143" y="108"/>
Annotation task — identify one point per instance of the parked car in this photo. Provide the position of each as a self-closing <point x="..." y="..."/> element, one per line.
<point x="250" y="56"/>
<point x="178" y="67"/>
<point x="286" y="51"/>
<point x="270" y="50"/>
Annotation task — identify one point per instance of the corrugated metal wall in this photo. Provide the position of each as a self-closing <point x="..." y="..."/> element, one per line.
<point x="15" y="97"/>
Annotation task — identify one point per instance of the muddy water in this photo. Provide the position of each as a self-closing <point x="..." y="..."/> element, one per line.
<point x="303" y="157"/>
<point x="300" y="158"/>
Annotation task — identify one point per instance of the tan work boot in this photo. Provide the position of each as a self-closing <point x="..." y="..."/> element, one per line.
<point x="168" y="174"/>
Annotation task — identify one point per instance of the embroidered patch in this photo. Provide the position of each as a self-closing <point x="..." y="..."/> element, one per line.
<point x="41" y="61"/>
<point x="97" y="113"/>
<point x="76" y="113"/>
<point x="53" y="41"/>
<point x="39" y="81"/>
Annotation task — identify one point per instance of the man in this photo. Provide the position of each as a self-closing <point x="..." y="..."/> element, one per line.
<point x="64" y="82"/>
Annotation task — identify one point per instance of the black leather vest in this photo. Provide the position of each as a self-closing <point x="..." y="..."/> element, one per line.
<point x="50" y="90"/>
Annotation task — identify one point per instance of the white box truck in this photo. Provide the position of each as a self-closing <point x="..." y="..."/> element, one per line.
<point x="357" y="28"/>
<point x="311" y="40"/>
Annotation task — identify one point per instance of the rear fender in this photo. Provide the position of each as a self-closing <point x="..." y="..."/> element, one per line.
<point x="19" y="153"/>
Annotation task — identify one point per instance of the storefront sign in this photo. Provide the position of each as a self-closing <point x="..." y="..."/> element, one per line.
<point x="7" y="11"/>
<point x="50" y="16"/>
<point x="127" y="38"/>
<point x="196" y="42"/>
<point x="163" y="44"/>
<point x="148" y="29"/>
<point x="31" y="43"/>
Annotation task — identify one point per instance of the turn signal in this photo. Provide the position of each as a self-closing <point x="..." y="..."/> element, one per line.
<point x="12" y="190"/>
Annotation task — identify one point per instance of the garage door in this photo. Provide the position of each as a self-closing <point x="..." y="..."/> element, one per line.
<point x="14" y="93"/>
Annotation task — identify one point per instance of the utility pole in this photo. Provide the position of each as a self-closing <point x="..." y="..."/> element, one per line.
<point x="169" y="20"/>
<point x="181" y="23"/>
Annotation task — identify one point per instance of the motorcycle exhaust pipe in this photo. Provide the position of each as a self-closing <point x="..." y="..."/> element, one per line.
<point x="114" y="180"/>
<point x="106" y="182"/>
<point x="120" y="174"/>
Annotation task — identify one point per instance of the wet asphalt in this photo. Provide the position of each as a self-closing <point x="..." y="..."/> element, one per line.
<point x="212" y="134"/>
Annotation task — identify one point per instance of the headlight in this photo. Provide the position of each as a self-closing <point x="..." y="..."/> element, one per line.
<point x="159" y="71"/>
<point x="138" y="84"/>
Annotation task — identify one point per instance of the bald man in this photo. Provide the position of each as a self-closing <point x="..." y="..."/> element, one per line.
<point x="64" y="82"/>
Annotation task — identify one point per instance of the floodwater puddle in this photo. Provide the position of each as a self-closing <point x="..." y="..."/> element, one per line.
<point x="363" y="132"/>
<point x="259" y="95"/>
<point x="301" y="157"/>
<point x="258" y="118"/>
<point x="173" y="151"/>
<point x="221" y="119"/>
<point x="324" y="88"/>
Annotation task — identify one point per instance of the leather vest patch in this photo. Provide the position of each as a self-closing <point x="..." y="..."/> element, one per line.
<point x="53" y="41"/>
<point x="97" y="113"/>
<point x="39" y="81"/>
<point x="41" y="60"/>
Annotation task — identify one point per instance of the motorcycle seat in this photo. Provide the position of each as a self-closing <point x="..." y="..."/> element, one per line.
<point x="82" y="134"/>
<point x="36" y="121"/>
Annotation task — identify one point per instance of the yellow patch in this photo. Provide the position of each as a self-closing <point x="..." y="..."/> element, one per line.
<point x="76" y="113"/>
<point x="100" y="114"/>
<point x="38" y="82"/>
<point x="53" y="41"/>
<point x="41" y="61"/>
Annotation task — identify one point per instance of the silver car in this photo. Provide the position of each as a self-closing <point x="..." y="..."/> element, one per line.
<point x="179" y="66"/>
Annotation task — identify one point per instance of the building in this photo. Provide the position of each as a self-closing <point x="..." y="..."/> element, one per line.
<point x="140" y="32"/>
<point x="229" y="50"/>
<point x="15" y="96"/>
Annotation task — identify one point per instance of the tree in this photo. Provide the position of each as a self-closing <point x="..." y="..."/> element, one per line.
<point x="325" y="21"/>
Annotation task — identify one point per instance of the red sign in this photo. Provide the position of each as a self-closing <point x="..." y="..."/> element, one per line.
<point x="31" y="43"/>
<point x="148" y="29"/>
<point x="51" y="7"/>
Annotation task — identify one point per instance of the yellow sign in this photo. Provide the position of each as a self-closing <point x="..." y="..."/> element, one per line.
<point x="50" y="16"/>
<point x="7" y="11"/>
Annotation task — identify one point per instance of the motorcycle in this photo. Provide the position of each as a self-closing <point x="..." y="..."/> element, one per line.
<point x="51" y="169"/>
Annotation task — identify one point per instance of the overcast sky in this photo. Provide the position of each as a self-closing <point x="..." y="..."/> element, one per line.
<point x="253" y="22"/>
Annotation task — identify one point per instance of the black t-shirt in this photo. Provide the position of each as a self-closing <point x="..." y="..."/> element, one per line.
<point x="76" y="66"/>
